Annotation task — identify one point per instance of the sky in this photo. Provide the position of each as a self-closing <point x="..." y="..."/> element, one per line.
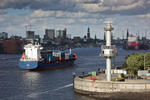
<point x="76" y="16"/>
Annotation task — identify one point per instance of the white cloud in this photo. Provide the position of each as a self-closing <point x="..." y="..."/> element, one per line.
<point x="2" y="19"/>
<point x="61" y="14"/>
<point x="104" y="6"/>
<point x="81" y="1"/>
<point x="118" y="2"/>
<point x="129" y="6"/>
<point x="40" y="13"/>
<point x="70" y="21"/>
<point x="2" y="12"/>
<point x="148" y="2"/>
<point x="93" y="7"/>
<point x="144" y="15"/>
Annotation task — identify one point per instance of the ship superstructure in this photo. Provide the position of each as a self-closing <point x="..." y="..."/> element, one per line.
<point x="133" y="42"/>
<point x="32" y="52"/>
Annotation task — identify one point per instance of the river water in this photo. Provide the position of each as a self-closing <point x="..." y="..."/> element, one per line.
<point x="17" y="84"/>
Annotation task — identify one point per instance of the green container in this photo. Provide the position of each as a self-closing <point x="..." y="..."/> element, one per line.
<point x="93" y="73"/>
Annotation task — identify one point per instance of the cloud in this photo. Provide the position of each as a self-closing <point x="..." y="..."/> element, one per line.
<point x="129" y="6"/>
<point x="62" y="14"/>
<point x="126" y="7"/>
<point x="75" y="9"/>
<point x="2" y="19"/>
<point x="2" y="12"/>
<point x="40" y="13"/>
<point x="57" y="13"/>
<point x="93" y="7"/>
<point x="38" y="4"/>
<point x="144" y="15"/>
<point x="13" y="4"/>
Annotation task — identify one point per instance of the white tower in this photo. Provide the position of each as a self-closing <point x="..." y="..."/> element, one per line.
<point x="108" y="50"/>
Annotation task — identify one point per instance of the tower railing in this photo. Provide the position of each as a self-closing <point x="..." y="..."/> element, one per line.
<point x="108" y="47"/>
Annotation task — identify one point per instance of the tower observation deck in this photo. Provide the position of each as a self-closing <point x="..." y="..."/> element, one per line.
<point x="108" y="51"/>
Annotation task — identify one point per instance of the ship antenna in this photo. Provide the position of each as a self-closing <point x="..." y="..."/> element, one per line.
<point x="30" y="26"/>
<point x="26" y="27"/>
<point x="123" y="35"/>
<point x="145" y="33"/>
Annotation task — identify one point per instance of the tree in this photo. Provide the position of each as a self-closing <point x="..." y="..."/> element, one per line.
<point x="135" y="62"/>
<point x="147" y="60"/>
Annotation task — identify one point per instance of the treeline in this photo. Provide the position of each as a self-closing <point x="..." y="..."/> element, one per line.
<point x="137" y="61"/>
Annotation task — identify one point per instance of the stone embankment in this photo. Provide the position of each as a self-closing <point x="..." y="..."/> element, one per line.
<point x="126" y="90"/>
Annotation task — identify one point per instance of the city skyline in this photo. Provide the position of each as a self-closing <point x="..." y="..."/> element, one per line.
<point x="76" y="16"/>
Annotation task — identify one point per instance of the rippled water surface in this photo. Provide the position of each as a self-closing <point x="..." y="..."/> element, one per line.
<point x="17" y="84"/>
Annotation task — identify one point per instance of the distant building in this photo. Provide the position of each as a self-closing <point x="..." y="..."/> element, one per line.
<point x="115" y="38"/>
<point x="30" y="34"/>
<point x="144" y="38"/>
<point x="1" y="47"/>
<point x="69" y="36"/>
<point x="84" y="39"/>
<point x="12" y="46"/>
<point x="57" y="34"/>
<point x="61" y="33"/>
<point x="50" y="33"/>
<point x="65" y="33"/>
<point x="3" y="35"/>
<point x="37" y="38"/>
<point x="88" y="33"/>
<point x="14" y="37"/>
<point x="76" y="39"/>
<point x="95" y="37"/>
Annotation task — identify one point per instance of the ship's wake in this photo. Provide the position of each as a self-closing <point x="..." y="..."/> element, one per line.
<point x="49" y="91"/>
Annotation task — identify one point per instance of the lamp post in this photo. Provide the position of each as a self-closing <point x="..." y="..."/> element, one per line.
<point x="144" y="61"/>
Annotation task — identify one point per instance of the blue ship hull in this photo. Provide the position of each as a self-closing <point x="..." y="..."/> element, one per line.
<point x="39" y="65"/>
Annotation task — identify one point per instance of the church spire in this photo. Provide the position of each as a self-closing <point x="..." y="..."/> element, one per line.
<point x="88" y="33"/>
<point x="127" y="34"/>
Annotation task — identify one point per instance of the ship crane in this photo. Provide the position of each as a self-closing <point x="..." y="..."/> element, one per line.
<point x="108" y="50"/>
<point x="28" y="27"/>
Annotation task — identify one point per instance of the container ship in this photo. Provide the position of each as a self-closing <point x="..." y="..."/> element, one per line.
<point x="134" y="43"/>
<point x="35" y="58"/>
<point x="131" y="42"/>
